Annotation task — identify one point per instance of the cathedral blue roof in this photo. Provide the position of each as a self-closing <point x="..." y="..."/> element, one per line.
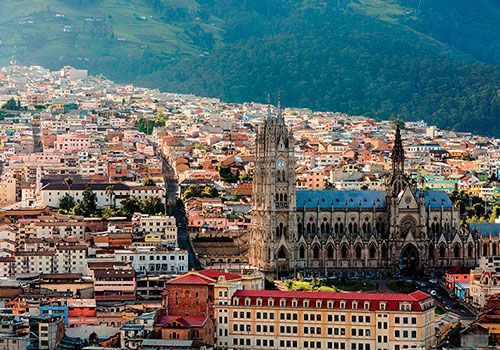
<point x="353" y="198"/>
<point x="339" y="199"/>
<point x="435" y="198"/>
<point x="484" y="228"/>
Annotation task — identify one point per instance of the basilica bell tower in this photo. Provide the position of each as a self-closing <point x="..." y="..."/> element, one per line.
<point x="274" y="223"/>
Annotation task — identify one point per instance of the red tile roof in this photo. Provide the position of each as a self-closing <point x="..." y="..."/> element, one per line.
<point x="458" y="270"/>
<point x="392" y="299"/>
<point x="190" y="278"/>
<point x="215" y="274"/>
<point x="184" y="320"/>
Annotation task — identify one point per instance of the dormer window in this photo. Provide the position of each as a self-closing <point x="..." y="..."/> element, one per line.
<point x="342" y="304"/>
<point x="295" y="303"/>
<point x="270" y="302"/>
<point x="383" y="305"/>
<point x="354" y="304"/>
<point x="248" y="301"/>
<point x="236" y="301"/>
<point x="405" y="306"/>
<point x="319" y="303"/>
<point x="367" y="305"/>
<point x="259" y="301"/>
<point x="330" y="304"/>
<point x="306" y="302"/>
<point x="282" y="302"/>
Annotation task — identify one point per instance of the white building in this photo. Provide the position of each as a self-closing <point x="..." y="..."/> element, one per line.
<point x="142" y="259"/>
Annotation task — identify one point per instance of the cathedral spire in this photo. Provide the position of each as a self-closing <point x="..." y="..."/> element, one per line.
<point x="279" y="103"/>
<point x="398" y="153"/>
<point x="268" y="107"/>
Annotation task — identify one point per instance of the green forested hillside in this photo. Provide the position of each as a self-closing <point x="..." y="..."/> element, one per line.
<point x="430" y="59"/>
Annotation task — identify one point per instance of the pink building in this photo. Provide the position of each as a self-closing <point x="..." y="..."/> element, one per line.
<point x="69" y="143"/>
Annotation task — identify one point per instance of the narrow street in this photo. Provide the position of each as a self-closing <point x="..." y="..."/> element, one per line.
<point x="178" y="213"/>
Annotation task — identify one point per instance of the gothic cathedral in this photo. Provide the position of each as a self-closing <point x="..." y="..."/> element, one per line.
<point x="400" y="230"/>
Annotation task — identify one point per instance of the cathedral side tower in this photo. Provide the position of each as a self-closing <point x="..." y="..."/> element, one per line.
<point x="274" y="227"/>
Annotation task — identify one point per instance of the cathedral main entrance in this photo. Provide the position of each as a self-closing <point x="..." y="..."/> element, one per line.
<point x="409" y="261"/>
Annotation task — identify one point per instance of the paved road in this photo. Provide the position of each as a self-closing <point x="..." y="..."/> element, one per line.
<point x="445" y="303"/>
<point x="178" y="213"/>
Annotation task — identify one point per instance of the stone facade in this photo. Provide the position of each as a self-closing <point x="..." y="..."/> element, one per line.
<point x="399" y="230"/>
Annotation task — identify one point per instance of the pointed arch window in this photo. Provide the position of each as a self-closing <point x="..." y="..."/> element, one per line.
<point x="442" y="250"/>
<point x="470" y="250"/>
<point x="343" y="252"/>
<point x="485" y="249"/>
<point x="384" y="251"/>
<point x="373" y="251"/>
<point x="456" y="251"/>
<point x="330" y="252"/>
<point x="358" y="252"/>
<point x="316" y="252"/>
<point x="302" y="252"/>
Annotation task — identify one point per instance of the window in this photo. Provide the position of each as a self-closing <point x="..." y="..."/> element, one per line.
<point x="396" y="333"/>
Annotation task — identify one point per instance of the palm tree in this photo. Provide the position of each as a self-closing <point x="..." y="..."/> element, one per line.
<point x="68" y="182"/>
<point x="109" y="192"/>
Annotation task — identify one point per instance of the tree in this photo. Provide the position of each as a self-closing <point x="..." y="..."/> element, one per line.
<point x="12" y="105"/>
<point x="149" y="182"/>
<point x="109" y="193"/>
<point x="210" y="192"/>
<point x="93" y="338"/>
<point x="88" y="205"/>
<point x="244" y="176"/>
<point x="478" y="210"/>
<point x="68" y="182"/>
<point x="108" y="213"/>
<point x="129" y="206"/>
<point x="67" y="202"/>
<point x="495" y="214"/>
<point x="152" y="205"/>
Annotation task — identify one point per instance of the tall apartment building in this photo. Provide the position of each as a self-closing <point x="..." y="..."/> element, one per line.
<point x="51" y="256"/>
<point x="322" y="320"/>
<point x="163" y="226"/>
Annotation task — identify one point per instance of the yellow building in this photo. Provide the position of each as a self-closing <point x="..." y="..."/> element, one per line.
<point x="324" y="320"/>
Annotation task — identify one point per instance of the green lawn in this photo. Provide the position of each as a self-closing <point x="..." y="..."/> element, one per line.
<point x="329" y="286"/>
<point x="307" y="286"/>
<point x="402" y="287"/>
<point x="354" y="286"/>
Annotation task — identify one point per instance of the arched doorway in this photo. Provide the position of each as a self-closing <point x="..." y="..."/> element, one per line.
<point x="410" y="260"/>
<point x="282" y="259"/>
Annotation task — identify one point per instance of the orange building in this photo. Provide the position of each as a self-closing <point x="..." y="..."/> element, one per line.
<point x="460" y="274"/>
<point x="82" y="311"/>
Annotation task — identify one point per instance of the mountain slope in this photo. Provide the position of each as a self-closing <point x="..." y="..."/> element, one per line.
<point x="372" y="57"/>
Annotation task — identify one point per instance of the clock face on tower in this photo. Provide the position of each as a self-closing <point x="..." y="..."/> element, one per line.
<point x="280" y="164"/>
